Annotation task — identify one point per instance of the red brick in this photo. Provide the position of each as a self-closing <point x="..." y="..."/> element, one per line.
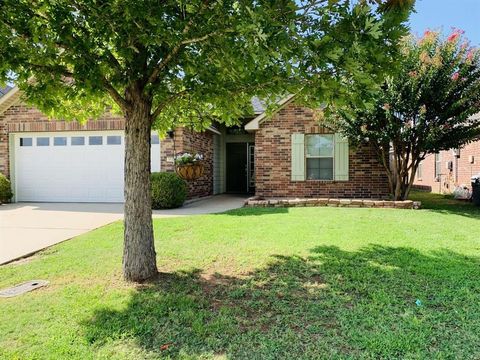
<point x="367" y="177"/>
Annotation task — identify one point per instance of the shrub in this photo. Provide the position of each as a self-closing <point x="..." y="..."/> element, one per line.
<point x="168" y="190"/>
<point x="5" y="189"/>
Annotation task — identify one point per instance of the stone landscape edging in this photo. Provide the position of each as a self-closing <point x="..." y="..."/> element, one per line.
<point x="332" y="202"/>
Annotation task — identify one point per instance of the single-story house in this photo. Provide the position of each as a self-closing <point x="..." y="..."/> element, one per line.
<point x="442" y="172"/>
<point x="287" y="154"/>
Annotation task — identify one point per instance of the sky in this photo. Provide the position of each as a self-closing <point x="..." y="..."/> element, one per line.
<point x="445" y="14"/>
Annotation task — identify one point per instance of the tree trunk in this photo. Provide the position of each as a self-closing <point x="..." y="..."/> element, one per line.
<point x="139" y="258"/>
<point x="411" y="179"/>
<point x="400" y="180"/>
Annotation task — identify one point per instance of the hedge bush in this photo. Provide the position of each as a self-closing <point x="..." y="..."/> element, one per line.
<point x="168" y="190"/>
<point x="5" y="190"/>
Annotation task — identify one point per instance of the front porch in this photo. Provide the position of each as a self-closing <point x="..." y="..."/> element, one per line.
<point x="229" y="159"/>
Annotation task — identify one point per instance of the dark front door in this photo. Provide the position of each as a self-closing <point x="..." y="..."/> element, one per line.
<point x="237" y="181"/>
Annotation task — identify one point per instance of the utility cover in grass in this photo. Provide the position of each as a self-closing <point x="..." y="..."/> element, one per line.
<point x="23" y="288"/>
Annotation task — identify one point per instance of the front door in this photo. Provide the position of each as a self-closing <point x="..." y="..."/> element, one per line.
<point x="237" y="176"/>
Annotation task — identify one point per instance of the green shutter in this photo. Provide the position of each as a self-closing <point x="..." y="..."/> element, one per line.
<point x="341" y="158"/>
<point x="298" y="157"/>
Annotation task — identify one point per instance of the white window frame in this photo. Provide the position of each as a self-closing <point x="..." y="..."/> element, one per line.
<point x="319" y="157"/>
<point x="438" y="165"/>
<point x="419" y="174"/>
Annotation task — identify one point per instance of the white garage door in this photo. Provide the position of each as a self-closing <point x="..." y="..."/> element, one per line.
<point x="72" y="166"/>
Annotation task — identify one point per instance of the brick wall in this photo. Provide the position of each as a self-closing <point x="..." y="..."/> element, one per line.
<point x="23" y="118"/>
<point x="462" y="171"/>
<point x="191" y="142"/>
<point x="367" y="178"/>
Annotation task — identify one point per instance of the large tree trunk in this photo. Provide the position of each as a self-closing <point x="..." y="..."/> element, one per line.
<point x="139" y="258"/>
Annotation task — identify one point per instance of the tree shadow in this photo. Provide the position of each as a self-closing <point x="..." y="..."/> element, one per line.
<point x="255" y="211"/>
<point x="378" y="302"/>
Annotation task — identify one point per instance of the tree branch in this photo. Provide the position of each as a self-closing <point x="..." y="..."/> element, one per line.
<point x="51" y="69"/>
<point x="205" y="37"/>
<point x="164" y="103"/>
<point x="114" y="60"/>
<point x="116" y="96"/>
<point x="162" y="64"/>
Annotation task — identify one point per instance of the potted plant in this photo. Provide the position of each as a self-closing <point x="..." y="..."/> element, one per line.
<point x="189" y="166"/>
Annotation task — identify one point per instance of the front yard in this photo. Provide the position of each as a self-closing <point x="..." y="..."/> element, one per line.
<point x="261" y="283"/>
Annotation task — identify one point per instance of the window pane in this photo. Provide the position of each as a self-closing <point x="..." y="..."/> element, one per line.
<point x="438" y="165"/>
<point x="78" y="140"/>
<point x="155" y="140"/>
<point x="420" y="170"/>
<point x="319" y="145"/>
<point x="59" y="141"/>
<point x="43" y="141"/>
<point x="25" y="141"/>
<point x="95" y="140"/>
<point x="320" y="169"/>
<point x="114" y="140"/>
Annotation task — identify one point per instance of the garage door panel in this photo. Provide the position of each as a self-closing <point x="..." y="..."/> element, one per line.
<point x="72" y="173"/>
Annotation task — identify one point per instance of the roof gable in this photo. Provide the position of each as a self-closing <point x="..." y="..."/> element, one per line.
<point x="9" y="97"/>
<point x="254" y="124"/>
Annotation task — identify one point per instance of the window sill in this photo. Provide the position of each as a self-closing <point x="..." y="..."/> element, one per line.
<point x="324" y="181"/>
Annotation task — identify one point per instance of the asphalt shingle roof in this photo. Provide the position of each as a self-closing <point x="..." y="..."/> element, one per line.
<point x="258" y="105"/>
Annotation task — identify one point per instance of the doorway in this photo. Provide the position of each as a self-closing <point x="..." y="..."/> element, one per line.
<point x="240" y="168"/>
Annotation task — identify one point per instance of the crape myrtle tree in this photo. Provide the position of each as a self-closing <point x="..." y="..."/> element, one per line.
<point x="166" y="63"/>
<point x="424" y="108"/>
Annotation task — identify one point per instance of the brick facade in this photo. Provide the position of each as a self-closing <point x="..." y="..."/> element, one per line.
<point x="462" y="169"/>
<point x="191" y="142"/>
<point x="272" y="153"/>
<point x="367" y="177"/>
<point x="23" y="118"/>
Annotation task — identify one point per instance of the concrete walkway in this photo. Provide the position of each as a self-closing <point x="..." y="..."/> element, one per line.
<point x="211" y="205"/>
<point x="26" y="228"/>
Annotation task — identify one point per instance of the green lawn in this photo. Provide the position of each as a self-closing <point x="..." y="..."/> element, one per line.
<point x="261" y="284"/>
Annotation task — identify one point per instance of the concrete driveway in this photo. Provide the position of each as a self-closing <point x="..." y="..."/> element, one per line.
<point x="29" y="227"/>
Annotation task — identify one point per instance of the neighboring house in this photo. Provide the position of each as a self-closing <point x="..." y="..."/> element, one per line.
<point x="285" y="155"/>
<point x="442" y="172"/>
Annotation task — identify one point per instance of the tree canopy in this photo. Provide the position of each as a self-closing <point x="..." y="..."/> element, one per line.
<point x="166" y="63"/>
<point x="425" y="108"/>
<point x="196" y="59"/>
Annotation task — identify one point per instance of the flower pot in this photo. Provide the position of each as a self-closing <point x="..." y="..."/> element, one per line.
<point x="190" y="171"/>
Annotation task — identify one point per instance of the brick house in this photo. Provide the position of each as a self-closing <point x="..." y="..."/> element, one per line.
<point x="286" y="155"/>
<point x="442" y="172"/>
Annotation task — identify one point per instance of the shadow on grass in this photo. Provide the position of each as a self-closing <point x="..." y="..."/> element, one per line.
<point x="257" y="211"/>
<point x="379" y="302"/>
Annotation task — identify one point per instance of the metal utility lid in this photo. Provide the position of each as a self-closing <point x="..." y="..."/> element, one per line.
<point x="23" y="288"/>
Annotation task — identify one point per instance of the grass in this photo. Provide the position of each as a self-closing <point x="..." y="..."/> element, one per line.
<point x="261" y="284"/>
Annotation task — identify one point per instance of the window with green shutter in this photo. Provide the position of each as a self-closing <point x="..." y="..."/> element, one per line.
<point x="298" y="157"/>
<point x="341" y="158"/>
<point x="319" y="157"/>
